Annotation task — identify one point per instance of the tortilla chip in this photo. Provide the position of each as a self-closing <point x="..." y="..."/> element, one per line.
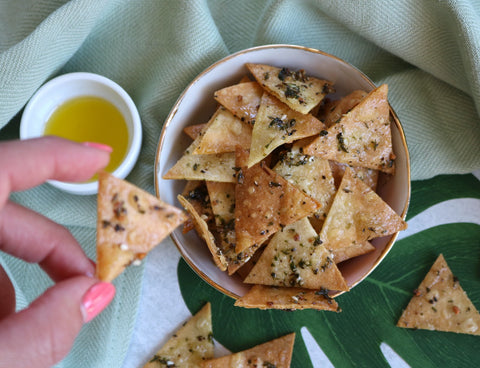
<point x="203" y="230"/>
<point x="294" y="258"/>
<point x="190" y="345"/>
<point x="368" y="176"/>
<point x="193" y="131"/>
<point x="353" y="250"/>
<point x="440" y="304"/>
<point x="265" y="202"/>
<point x="130" y="222"/>
<point x="275" y="353"/>
<point x="334" y="110"/>
<point x="362" y="137"/>
<point x="222" y="199"/>
<point x="311" y="174"/>
<point x="277" y="124"/>
<point x="243" y="100"/>
<point x="287" y="298"/>
<point x="215" y="167"/>
<point x="223" y="133"/>
<point x="294" y="88"/>
<point x="196" y="193"/>
<point x="357" y="214"/>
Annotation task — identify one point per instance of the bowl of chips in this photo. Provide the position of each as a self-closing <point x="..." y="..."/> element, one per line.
<point x="294" y="170"/>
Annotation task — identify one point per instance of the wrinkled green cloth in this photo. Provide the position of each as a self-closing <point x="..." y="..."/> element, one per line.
<point x="427" y="51"/>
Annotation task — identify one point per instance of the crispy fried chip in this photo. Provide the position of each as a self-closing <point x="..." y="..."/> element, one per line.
<point x="311" y="174"/>
<point x="353" y="250"/>
<point x="441" y="304"/>
<point x="362" y="137"/>
<point x="189" y="346"/>
<point x="294" y="258"/>
<point x="368" y="176"/>
<point x="243" y="100"/>
<point x="193" y="131"/>
<point x="277" y="124"/>
<point x="265" y="202"/>
<point x="196" y="193"/>
<point x="203" y="230"/>
<point x="130" y="222"/>
<point x="215" y="167"/>
<point x="294" y="88"/>
<point x="223" y="133"/>
<point x="273" y="297"/>
<point x="357" y="214"/>
<point x="222" y="199"/>
<point x="333" y="111"/>
<point x="275" y="353"/>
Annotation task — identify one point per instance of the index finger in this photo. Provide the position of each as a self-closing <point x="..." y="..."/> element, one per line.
<point x="28" y="163"/>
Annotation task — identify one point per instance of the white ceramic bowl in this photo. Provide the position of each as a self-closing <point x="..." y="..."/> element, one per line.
<point x="196" y="104"/>
<point x="68" y="86"/>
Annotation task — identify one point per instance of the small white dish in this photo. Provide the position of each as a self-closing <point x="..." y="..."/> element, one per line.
<point x="72" y="85"/>
<point x="196" y="104"/>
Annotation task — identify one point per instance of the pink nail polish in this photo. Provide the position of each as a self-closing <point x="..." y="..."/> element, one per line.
<point x="96" y="300"/>
<point x="99" y="146"/>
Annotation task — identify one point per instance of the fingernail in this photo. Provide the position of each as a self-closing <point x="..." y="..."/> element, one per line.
<point x="91" y="272"/>
<point x="96" y="300"/>
<point x="99" y="146"/>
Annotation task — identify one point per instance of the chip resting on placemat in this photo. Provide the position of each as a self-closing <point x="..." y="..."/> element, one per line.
<point x="189" y="346"/>
<point x="130" y="222"/>
<point x="440" y="304"/>
<point x="275" y="353"/>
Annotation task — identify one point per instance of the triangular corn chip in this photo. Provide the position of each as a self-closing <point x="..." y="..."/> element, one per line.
<point x="243" y="100"/>
<point x="311" y="174"/>
<point x="215" y="167"/>
<point x="189" y="346"/>
<point x="222" y="200"/>
<point x="352" y="250"/>
<point x="223" y="133"/>
<point x="368" y="176"/>
<point x="277" y="124"/>
<point x="193" y="131"/>
<point x="264" y="203"/>
<point x="130" y="222"/>
<point x="362" y="137"/>
<point x="196" y="193"/>
<point x="294" y="88"/>
<point x="287" y="298"/>
<point x="333" y="111"/>
<point x="441" y="304"/>
<point x="294" y="258"/>
<point x="357" y="214"/>
<point x="203" y="230"/>
<point x="275" y="353"/>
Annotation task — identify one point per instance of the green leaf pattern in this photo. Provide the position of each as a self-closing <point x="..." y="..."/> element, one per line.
<point x="444" y="217"/>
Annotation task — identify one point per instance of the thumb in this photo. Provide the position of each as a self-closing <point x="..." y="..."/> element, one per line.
<point x="43" y="334"/>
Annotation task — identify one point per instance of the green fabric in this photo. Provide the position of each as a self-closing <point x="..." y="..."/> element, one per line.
<point x="427" y="51"/>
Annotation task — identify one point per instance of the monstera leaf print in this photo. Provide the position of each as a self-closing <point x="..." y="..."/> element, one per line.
<point x="444" y="217"/>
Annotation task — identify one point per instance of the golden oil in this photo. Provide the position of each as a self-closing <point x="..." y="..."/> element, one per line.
<point x="91" y="119"/>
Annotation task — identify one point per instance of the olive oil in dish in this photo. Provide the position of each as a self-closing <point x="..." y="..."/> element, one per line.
<point x="91" y="119"/>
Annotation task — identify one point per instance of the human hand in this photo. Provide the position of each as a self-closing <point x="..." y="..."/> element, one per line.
<point x="42" y="334"/>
